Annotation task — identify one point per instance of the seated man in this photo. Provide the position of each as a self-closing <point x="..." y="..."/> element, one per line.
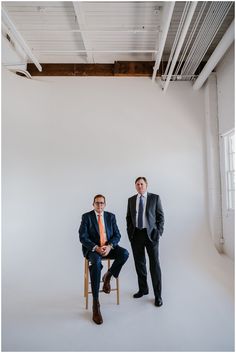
<point x="100" y="236"/>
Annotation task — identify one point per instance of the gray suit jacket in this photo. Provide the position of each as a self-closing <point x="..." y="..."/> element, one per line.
<point x="154" y="216"/>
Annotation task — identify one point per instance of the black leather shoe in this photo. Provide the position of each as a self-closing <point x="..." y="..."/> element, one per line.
<point x="158" y="302"/>
<point x="106" y="285"/>
<point x="97" y="316"/>
<point x="140" y="293"/>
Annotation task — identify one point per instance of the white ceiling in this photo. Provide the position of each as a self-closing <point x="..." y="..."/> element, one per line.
<point x="109" y="31"/>
<point x="104" y="32"/>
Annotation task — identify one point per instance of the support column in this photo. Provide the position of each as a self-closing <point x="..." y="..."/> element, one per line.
<point x="213" y="162"/>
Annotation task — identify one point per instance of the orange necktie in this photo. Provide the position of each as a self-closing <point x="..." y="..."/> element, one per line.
<point x="101" y="231"/>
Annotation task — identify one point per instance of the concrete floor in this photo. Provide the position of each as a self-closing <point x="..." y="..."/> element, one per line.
<point x="197" y="315"/>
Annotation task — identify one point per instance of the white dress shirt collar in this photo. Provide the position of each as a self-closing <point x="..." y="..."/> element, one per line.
<point x="98" y="214"/>
<point x="144" y="195"/>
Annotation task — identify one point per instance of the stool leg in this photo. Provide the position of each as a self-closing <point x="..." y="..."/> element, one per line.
<point x="85" y="278"/>
<point x="86" y="284"/>
<point x="117" y="291"/>
<point x="86" y="304"/>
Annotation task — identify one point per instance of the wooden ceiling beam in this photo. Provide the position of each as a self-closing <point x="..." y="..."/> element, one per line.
<point x="119" y="68"/>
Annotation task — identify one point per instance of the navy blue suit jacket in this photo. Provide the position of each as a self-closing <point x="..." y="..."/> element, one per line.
<point x="89" y="231"/>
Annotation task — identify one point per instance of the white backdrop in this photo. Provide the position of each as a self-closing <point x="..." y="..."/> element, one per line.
<point x="66" y="139"/>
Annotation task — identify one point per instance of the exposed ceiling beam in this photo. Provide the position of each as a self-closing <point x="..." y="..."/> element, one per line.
<point x="218" y="53"/>
<point x="97" y="51"/>
<point x="119" y="68"/>
<point x="118" y="30"/>
<point x="166" y="15"/>
<point x="183" y="34"/>
<point x="79" y="11"/>
<point x="6" y="33"/>
<point x="9" y="23"/>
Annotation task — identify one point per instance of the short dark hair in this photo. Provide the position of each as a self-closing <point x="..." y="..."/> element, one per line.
<point x="97" y="196"/>
<point x="139" y="178"/>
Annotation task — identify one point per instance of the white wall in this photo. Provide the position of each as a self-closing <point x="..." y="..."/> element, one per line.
<point x="66" y="139"/>
<point x="226" y="116"/>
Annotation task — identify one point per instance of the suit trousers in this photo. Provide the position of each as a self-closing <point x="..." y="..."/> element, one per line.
<point x="139" y="242"/>
<point x="118" y="254"/>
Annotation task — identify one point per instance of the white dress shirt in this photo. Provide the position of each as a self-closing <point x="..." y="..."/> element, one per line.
<point x="144" y="208"/>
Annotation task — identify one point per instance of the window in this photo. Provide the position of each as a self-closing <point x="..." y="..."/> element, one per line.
<point x="229" y="147"/>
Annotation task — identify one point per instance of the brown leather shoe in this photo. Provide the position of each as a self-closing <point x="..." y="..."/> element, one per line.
<point x="106" y="285"/>
<point x="97" y="316"/>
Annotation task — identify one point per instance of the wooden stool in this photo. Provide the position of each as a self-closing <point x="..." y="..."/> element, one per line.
<point x="87" y="283"/>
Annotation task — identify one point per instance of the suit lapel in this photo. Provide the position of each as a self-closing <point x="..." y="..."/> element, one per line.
<point x="106" y="224"/>
<point x="147" y="205"/>
<point x="94" y="220"/>
<point x="133" y="208"/>
<point x="148" y="202"/>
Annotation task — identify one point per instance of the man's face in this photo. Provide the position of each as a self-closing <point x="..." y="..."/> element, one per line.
<point x="141" y="186"/>
<point x="99" y="204"/>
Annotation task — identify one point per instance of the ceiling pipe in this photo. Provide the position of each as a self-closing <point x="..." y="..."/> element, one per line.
<point x="211" y="24"/>
<point x="177" y="36"/>
<point x="209" y="36"/>
<point x="190" y="38"/>
<point x="8" y="22"/>
<point x="194" y="48"/>
<point x="219" y="51"/>
<point x="181" y="42"/>
<point x="165" y="19"/>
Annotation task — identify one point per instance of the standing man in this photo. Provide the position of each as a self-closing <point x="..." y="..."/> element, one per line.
<point x="100" y="236"/>
<point x="145" y="222"/>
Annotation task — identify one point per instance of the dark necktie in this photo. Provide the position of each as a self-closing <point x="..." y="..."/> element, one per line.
<point x="140" y="213"/>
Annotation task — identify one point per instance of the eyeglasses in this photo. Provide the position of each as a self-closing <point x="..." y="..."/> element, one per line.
<point x="99" y="203"/>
